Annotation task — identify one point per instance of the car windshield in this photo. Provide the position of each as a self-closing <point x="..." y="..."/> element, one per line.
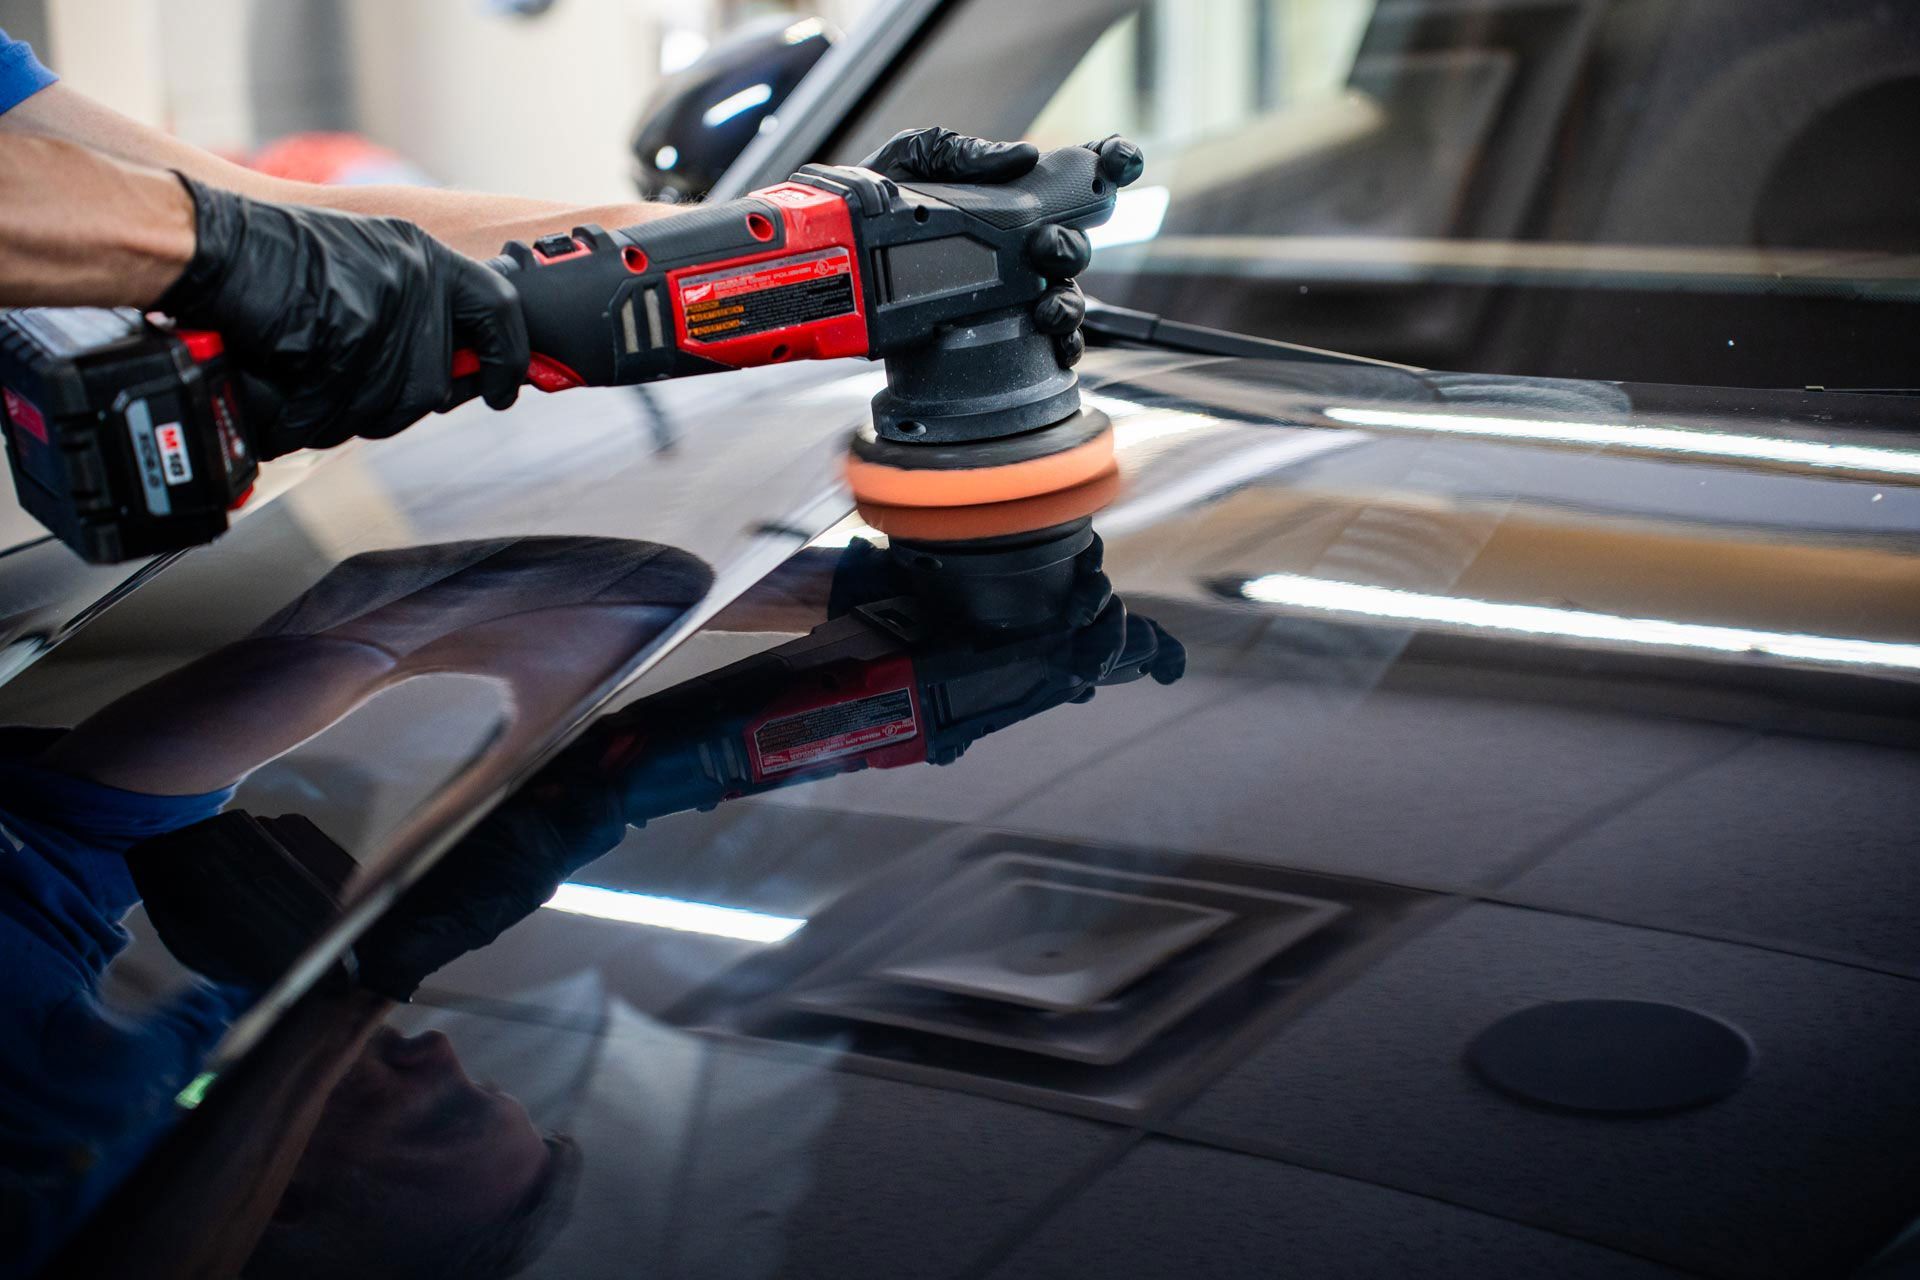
<point x="1712" y="193"/>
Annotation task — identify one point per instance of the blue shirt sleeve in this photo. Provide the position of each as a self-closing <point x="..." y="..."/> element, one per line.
<point x="21" y="75"/>
<point x="63" y="878"/>
<point x="84" y="1090"/>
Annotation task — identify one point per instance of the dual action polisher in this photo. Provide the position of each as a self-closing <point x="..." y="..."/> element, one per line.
<point x="126" y="438"/>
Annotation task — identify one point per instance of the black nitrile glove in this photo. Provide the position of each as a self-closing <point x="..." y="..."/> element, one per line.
<point x="1059" y="253"/>
<point x="342" y="325"/>
<point x="1118" y="647"/>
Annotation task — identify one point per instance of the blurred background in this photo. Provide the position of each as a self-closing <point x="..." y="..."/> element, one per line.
<point x="528" y="97"/>
<point x="1716" y="193"/>
<point x="541" y="97"/>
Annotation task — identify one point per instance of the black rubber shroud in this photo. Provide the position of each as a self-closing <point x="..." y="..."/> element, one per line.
<point x="1042" y="442"/>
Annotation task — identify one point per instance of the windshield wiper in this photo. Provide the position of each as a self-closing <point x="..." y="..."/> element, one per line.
<point x="1123" y="324"/>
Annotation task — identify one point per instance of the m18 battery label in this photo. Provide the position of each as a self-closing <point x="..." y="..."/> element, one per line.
<point x="172" y="439"/>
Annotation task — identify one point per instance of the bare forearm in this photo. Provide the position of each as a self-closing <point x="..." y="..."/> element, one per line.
<point x="67" y="115"/>
<point x="477" y="225"/>
<point x="481" y="231"/>
<point x="473" y="223"/>
<point x="80" y="229"/>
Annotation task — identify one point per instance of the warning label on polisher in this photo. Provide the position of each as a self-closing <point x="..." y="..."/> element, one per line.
<point x="830" y="732"/>
<point x="767" y="295"/>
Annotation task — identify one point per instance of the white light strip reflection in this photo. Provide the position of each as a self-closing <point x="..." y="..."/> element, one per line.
<point x="1355" y="599"/>
<point x="1136" y="429"/>
<point x="672" y="913"/>
<point x="1209" y="483"/>
<point x="1137" y="217"/>
<point x="727" y="108"/>
<point x="1620" y="266"/>
<point x="1667" y="440"/>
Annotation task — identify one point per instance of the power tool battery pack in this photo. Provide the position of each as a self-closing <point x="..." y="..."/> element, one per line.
<point x="123" y="436"/>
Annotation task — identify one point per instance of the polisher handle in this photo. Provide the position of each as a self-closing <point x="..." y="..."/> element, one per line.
<point x="1065" y="187"/>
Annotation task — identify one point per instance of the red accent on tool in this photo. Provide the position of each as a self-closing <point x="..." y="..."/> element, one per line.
<point x="202" y="344"/>
<point x="545" y="372"/>
<point x="549" y="374"/>
<point x="26" y="415"/>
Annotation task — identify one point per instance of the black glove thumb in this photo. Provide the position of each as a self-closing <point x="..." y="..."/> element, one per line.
<point x="1169" y="658"/>
<point x="941" y="155"/>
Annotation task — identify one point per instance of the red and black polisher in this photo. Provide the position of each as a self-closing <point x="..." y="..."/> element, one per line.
<point x="932" y="279"/>
<point x="125" y="438"/>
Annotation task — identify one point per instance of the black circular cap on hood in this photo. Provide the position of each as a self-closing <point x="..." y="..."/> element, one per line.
<point x="1612" y="1057"/>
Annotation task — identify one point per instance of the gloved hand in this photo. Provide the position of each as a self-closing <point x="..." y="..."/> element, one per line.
<point x="342" y="325"/>
<point x="1111" y="645"/>
<point x="1118" y="647"/>
<point x="1059" y="253"/>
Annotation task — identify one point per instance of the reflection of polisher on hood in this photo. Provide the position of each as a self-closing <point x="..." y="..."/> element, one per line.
<point x="930" y="647"/>
<point x="947" y="643"/>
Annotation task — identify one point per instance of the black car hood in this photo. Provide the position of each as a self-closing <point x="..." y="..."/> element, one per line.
<point x="1499" y="694"/>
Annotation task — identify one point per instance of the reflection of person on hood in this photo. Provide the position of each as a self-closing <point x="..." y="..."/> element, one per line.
<point x="683" y="748"/>
<point x="415" y="1170"/>
<point x="84" y="1090"/>
<point x="82" y="1087"/>
<point x="578" y="808"/>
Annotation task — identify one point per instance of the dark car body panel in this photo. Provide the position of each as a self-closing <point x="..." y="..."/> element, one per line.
<point x="1556" y="690"/>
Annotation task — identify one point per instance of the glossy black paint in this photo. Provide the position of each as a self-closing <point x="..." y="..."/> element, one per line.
<point x="1525" y="691"/>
